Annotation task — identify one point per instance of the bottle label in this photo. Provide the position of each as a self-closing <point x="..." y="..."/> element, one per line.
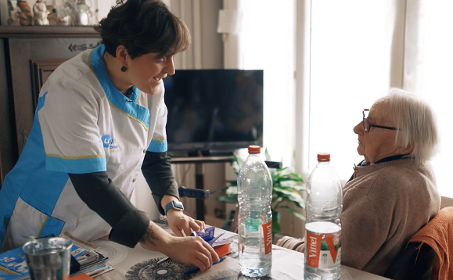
<point x="323" y="250"/>
<point x="267" y="234"/>
<point x="252" y="224"/>
<point x="253" y="227"/>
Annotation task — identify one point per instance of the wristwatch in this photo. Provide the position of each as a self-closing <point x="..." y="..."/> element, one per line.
<point x="174" y="204"/>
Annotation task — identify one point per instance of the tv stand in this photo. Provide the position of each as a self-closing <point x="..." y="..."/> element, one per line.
<point x="199" y="175"/>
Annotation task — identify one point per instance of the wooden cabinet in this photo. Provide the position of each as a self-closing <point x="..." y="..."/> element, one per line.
<point x="29" y="55"/>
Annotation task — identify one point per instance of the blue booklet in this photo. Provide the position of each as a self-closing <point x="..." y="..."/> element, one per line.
<point x="13" y="265"/>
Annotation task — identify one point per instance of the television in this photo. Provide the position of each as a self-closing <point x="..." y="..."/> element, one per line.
<point x="213" y="112"/>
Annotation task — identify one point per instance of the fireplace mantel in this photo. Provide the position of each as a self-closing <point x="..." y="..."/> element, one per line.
<point x="48" y="31"/>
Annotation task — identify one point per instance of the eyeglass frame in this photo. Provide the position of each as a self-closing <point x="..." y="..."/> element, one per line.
<point x="366" y="123"/>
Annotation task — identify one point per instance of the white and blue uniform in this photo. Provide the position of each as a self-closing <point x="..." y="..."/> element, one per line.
<point x="82" y="124"/>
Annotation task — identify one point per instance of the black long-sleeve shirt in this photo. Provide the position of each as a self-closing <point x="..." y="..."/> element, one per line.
<point x="128" y="223"/>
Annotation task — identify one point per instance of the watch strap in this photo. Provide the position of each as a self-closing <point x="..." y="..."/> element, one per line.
<point x="174" y="204"/>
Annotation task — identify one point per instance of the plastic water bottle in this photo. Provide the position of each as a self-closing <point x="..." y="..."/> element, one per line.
<point x="322" y="224"/>
<point x="255" y="215"/>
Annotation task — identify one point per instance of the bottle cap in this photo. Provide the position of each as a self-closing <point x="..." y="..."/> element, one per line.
<point x="254" y="149"/>
<point x="323" y="157"/>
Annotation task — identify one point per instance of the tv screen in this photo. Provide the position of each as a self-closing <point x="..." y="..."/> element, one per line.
<point x="213" y="112"/>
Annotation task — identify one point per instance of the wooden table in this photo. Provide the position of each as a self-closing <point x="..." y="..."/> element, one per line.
<point x="140" y="264"/>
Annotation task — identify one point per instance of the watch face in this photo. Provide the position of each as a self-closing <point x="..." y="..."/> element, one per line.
<point x="178" y="204"/>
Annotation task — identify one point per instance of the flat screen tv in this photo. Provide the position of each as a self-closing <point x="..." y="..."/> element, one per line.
<point x="213" y="112"/>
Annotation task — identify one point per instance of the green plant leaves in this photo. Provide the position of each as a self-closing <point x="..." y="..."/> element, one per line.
<point x="276" y="221"/>
<point x="288" y="195"/>
<point x="286" y="188"/>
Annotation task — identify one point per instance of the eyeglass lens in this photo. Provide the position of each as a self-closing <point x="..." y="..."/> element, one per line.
<point x="366" y="125"/>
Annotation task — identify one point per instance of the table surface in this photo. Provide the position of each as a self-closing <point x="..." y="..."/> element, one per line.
<point x="140" y="264"/>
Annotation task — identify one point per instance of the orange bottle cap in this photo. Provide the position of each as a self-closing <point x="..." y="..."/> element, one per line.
<point x="254" y="149"/>
<point x="323" y="157"/>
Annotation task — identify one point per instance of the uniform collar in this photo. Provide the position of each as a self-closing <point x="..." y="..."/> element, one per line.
<point x="129" y="105"/>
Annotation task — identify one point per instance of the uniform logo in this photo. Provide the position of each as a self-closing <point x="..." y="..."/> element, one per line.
<point x="109" y="143"/>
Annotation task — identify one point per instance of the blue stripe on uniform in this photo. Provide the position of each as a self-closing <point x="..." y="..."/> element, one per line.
<point x="157" y="146"/>
<point x="52" y="227"/>
<point x="41" y="188"/>
<point x="77" y="166"/>
<point x="30" y="181"/>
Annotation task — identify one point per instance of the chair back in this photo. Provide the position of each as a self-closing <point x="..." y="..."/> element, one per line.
<point x="412" y="263"/>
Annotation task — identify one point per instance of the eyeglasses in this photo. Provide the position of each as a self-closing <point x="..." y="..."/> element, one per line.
<point x="367" y="125"/>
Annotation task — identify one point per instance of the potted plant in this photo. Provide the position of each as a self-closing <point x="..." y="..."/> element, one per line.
<point x="286" y="191"/>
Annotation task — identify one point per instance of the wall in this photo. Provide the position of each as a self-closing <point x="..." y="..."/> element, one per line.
<point x="104" y="7"/>
<point x="3" y="12"/>
<point x="446" y="202"/>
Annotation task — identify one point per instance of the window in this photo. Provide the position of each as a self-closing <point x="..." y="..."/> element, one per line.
<point x="268" y="44"/>
<point x="350" y="58"/>
<point x="436" y="83"/>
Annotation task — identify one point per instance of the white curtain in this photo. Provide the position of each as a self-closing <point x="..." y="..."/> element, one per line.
<point x="268" y="43"/>
<point x="435" y="64"/>
<point x="414" y="44"/>
<point x="189" y="11"/>
<point x="357" y="50"/>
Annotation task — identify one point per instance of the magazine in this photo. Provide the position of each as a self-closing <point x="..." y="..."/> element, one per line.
<point x="84" y="259"/>
<point x="13" y="265"/>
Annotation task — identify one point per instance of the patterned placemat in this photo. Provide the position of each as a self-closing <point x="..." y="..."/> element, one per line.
<point x="152" y="270"/>
<point x="116" y="252"/>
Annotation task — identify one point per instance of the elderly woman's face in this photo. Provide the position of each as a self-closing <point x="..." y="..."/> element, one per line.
<point x="377" y="143"/>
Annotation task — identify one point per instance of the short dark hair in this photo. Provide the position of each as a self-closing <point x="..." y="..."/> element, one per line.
<point x="143" y="26"/>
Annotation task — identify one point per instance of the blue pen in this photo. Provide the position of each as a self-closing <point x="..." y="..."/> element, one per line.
<point x="195" y="269"/>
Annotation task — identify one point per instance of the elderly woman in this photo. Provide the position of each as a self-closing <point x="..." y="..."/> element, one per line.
<point x="392" y="193"/>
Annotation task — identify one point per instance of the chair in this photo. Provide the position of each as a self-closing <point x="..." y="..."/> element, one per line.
<point x="412" y="263"/>
<point x="292" y="243"/>
<point x="428" y="251"/>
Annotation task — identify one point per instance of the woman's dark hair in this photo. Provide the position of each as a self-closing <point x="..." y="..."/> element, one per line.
<point x="143" y="26"/>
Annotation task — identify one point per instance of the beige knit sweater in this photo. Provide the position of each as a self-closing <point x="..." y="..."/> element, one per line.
<point x="383" y="206"/>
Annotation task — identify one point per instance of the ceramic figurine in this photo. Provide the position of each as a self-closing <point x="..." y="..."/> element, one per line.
<point x="40" y="13"/>
<point x="14" y="13"/>
<point x="25" y="17"/>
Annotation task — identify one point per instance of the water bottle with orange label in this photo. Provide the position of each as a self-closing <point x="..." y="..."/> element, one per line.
<point x="255" y="215"/>
<point x="322" y="224"/>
